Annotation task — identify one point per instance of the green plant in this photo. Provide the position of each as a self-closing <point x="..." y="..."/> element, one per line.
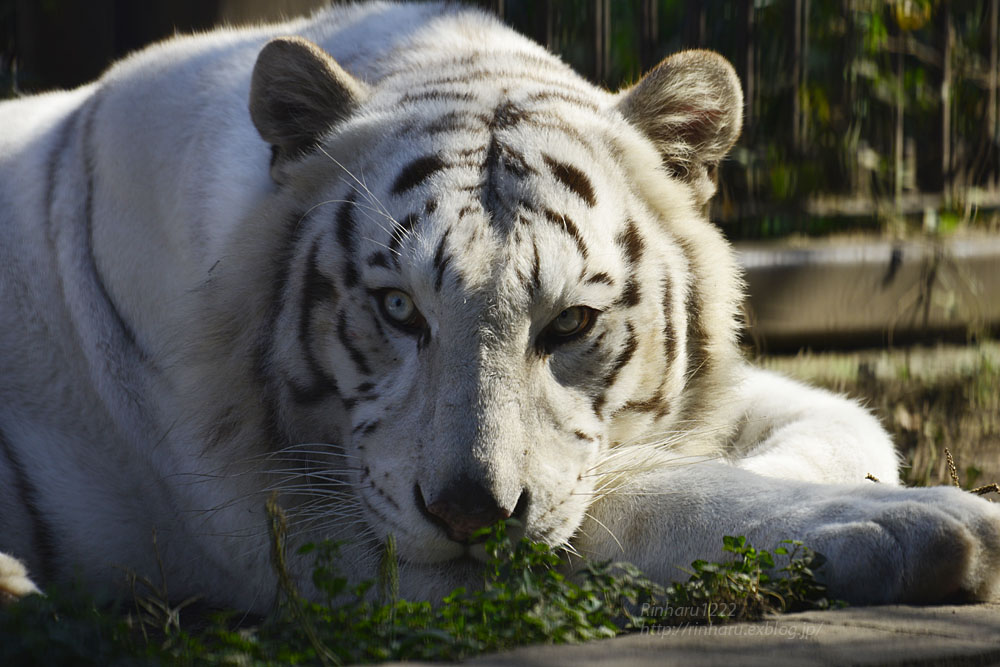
<point x="748" y="587"/>
<point x="526" y="597"/>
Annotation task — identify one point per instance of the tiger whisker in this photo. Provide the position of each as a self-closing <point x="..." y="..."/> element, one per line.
<point x="609" y="531"/>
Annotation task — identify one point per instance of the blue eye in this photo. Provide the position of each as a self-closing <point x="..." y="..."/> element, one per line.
<point x="398" y="309"/>
<point x="398" y="305"/>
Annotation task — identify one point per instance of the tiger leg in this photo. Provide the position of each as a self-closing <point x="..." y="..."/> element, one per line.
<point x="791" y="430"/>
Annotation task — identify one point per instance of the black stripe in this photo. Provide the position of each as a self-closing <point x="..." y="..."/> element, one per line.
<point x="416" y="172"/>
<point x="521" y="76"/>
<point x="441" y="261"/>
<point x="272" y="436"/>
<point x="572" y="178"/>
<point x="316" y="288"/>
<point x="309" y="395"/>
<point x="697" y="337"/>
<point x="570" y="227"/>
<point x="439" y="252"/>
<point x="283" y="259"/>
<point x="630" y="295"/>
<point x="88" y="159"/>
<point x="439" y="277"/>
<point x="351" y="274"/>
<point x="536" y="270"/>
<point x="365" y="428"/>
<point x="356" y="356"/>
<point x="595" y="345"/>
<point x="378" y="259"/>
<point x="696" y="362"/>
<point x="367" y="476"/>
<point x="507" y="158"/>
<point x="501" y="158"/>
<point x="575" y="100"/>
<point x="631" y="344"/>
<point x="527" y="206"/>
<point x="669" y="334"/>
<point x="345" y="229"/>
<point x="492" y="196"/>
<point x="507" y="115"/>
<point x="58" y="154"/>
<point x="631" y="243"/>
<point x="362" y="395"/>
<point x="455" y="121"/>
<point x="376" y="322"/>
<point x="263" y="364"/>
<point x="427" y="95"/>
<point x="467" y="62"/>
<point x="351" y="401"/>
<point x="601" y="277"/>
<point x="223" y="428"/>
<point x="656" y="404"/>
<point x="346" y="224"/>
<point x="41" y="532"/>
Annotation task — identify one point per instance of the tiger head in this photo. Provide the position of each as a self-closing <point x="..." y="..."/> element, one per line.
<point x="497" y="278"/>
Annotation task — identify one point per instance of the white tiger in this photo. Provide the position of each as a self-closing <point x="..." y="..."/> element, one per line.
<point x="431" y="279"/>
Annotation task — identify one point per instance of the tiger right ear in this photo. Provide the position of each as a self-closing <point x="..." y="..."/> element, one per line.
<point x="691" y="107"/>
<point x="297" y="93"/>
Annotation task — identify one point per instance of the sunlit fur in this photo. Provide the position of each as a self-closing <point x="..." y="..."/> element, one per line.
<point x="193" y="254"/>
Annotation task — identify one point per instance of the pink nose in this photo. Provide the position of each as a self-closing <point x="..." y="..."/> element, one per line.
<point x="464" y="507"/>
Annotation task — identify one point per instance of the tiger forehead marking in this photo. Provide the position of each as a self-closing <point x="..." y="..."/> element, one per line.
<point x="491" y="147"/>
<point x="505" y="175"/>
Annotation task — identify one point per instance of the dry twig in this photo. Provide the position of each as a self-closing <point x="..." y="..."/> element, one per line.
<point x="952" y="471"/>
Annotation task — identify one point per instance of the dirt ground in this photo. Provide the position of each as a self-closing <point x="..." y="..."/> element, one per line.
<point x="930" y="398"/>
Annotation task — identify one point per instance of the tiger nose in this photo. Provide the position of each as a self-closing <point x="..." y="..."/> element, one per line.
<point x="462" y="508"/>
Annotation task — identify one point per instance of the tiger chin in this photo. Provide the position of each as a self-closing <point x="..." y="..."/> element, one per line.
<point x="405" y="269"/>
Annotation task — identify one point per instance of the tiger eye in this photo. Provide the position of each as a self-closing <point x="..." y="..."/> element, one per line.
<point x="570" y="324"/>
<point x="398" y="305"/>
<point x="399" y="309"/>
<point x="571" y="321"/>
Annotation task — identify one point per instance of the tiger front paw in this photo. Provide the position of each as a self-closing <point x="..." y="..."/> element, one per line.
<point x="911" y="545"/>
<point x="14" y="580"/>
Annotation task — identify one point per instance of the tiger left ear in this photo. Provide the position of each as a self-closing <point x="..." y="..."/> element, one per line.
<point x="297" y="93"/>
<point x="691" y="107"/>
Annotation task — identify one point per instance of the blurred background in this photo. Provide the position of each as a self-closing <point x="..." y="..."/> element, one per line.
<point x="863" y="196"/>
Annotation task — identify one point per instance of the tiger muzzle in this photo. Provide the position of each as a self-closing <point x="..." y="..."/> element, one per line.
<point x="466" y="506"/>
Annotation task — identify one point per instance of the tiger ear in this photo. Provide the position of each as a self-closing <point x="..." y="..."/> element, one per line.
<point x="691" y="107"/>
<point x="297" y="93"/>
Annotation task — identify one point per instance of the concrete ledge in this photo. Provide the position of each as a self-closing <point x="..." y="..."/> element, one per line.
<point x="891" y="635"/>
<point x="832" y="293"/>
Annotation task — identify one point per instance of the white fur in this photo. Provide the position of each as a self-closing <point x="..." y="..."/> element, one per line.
<point x="145" y="205"/>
